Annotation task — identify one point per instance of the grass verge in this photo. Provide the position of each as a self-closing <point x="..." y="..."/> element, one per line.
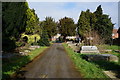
<point x="10" y="66"/>
<point x="113" y="48"/>
<point x="87" y="69"/>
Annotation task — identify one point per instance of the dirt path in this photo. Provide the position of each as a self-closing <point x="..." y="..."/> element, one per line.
<point x="55" y="63"/>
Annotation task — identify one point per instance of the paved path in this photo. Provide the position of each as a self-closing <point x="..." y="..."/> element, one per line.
<point x="54" y="63"/>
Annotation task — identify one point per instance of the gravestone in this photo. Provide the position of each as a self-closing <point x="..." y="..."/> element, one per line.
<point x="69" y="42"/>
<point x="103" y="57"/>
<point x="33" y="47"/>
<point x="89" y="50"/>
<point x="74" y="47"/>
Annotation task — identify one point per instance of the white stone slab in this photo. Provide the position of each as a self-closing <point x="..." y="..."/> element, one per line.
<point x="33" y="47"/>
<point x="89" y="49"/>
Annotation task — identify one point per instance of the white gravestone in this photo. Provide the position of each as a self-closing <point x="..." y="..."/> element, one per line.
<point x="89" y="49"/>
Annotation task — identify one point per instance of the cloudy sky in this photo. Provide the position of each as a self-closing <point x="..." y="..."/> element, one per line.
<point x="58" y="10"/>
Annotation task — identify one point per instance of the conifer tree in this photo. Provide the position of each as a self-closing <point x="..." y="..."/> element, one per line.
<point x="67" y="27"/>
<point x="44" y="41"/>
<point x="14" y="23"/>
<point x="50" y="26"/>
<point x="101" y="23"/>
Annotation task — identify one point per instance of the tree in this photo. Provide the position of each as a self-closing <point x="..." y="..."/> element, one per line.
<point x="13" y="20"/>
<point x="32" y="22"/>
<point x="100" y="23"/>
<point x="44" y="41"/>
<point x="17" y="18"/>
<point x="50" y="26"/>
<point x="86" y="24"/>
<point x="103" y="25"/>
<point x="99" y="11"/>
<point x="66" y="27"/>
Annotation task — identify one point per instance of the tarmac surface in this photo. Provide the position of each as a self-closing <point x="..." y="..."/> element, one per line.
<point x="53" y="63"/>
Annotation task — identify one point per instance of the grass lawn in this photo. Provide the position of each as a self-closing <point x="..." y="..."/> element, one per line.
<point x="113" y="48"/>
<point x="110" y="65"/>
<point x="10" y="66"/>
<point x="87" y="69"/>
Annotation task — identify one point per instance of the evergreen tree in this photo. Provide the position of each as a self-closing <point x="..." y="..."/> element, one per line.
<point x="32" y="22"/>
<point x="17" y="18"/>
<point x="99" y="11"/>
<point x="50" y="26"/>
<point x="67" y="27"/>
<point x="86" y="23"/>
<point x="44" y="41"/>
<point x="13" y="20"/>
<point x="103" y="25"/>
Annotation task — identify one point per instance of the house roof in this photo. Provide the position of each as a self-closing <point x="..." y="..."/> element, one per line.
<point x="114" y="31"/>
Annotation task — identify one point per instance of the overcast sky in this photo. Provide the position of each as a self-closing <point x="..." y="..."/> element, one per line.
<point x="58" y="10"/>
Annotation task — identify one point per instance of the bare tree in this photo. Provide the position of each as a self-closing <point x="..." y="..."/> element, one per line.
<point x="93" y="38"/>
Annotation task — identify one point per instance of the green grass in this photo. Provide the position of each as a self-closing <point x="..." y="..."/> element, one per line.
<point x="87" y="69"/>
<point x="112" y="47"/>
<point x="10" y="66"/>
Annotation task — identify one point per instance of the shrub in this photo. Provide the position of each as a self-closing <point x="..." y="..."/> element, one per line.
<point x="44" y="41"/>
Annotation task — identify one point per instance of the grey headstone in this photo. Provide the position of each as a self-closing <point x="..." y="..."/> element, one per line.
<point x="104" y="57"/>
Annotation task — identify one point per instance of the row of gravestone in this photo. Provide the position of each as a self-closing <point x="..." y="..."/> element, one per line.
<point x="92" y="53"/>
<point x="25" y="52"/>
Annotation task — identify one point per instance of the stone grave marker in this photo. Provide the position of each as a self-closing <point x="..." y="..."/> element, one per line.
<point x="103" y="57"/>
<point x="89" y="50"/>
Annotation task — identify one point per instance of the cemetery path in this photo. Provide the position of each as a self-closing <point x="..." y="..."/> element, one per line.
<point x="54" y="63"/>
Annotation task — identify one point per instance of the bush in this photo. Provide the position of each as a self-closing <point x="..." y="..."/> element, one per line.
<point x="20" y="43"/>
<point x="44" y="41"/>
<point x="30" y="39"/>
